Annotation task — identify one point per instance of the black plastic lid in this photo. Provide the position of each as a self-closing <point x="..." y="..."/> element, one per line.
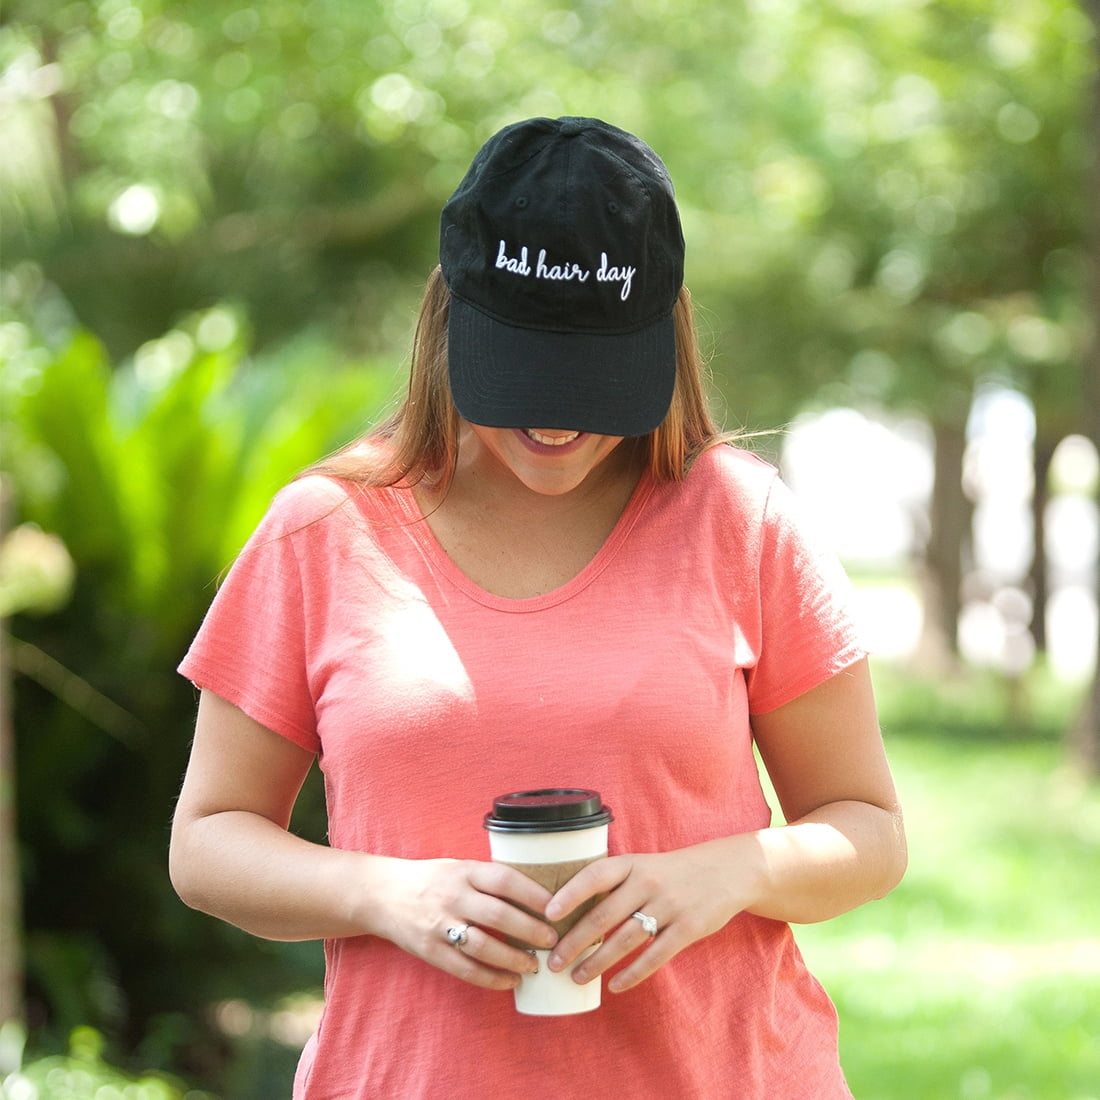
<point x="554" y="810"/>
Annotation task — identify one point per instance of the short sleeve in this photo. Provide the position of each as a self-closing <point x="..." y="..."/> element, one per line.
<point x="808" y="629"/>
<point x="252" y="647"/>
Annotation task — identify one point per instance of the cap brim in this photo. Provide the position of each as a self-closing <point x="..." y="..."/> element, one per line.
<point x="610" y="384"/>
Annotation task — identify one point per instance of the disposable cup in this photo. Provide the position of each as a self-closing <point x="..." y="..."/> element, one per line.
<point x="550" y="835"/>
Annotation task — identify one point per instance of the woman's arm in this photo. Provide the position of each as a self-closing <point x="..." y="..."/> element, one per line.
<point x="844" y="844"/>
<point x="231" y="856"/>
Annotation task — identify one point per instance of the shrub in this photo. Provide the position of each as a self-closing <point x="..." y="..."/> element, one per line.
<point x="152" y="474"/>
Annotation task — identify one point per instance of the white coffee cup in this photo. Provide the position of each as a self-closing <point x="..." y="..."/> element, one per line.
<point x="550" y="835"/>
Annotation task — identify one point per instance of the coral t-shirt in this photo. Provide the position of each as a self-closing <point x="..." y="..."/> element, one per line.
<point x="344" y="627"/>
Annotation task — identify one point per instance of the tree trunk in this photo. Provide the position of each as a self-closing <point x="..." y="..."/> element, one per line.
<point x="11" y="953"/>
<point x="946" y="549"/>
<point x="1084" y="737"/>
<point x="1038" y="579"/>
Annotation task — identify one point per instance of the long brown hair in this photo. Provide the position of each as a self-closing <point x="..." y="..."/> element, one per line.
<point x="420" y="440"/>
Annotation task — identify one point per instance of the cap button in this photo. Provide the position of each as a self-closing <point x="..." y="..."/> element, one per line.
<point x="570" y="126"/>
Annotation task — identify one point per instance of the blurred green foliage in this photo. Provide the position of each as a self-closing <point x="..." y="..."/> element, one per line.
<point x="36" y="572"/>
<point x="152" y="474"/>
<point x="82" y="1074"/>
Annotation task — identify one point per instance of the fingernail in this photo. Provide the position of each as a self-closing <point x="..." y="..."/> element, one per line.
<point x="555" y="962"/>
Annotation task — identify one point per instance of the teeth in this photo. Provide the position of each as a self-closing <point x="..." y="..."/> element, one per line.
<point x="551" y="440"/>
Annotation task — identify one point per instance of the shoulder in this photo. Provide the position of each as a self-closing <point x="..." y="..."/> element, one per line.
<point x="320" y="506"/>
<point x="724" y="502"/>
<point x="741" y="497"/>
<point x="351" y="476"/>
<point x="731" y="472"/>
<point x="305" y="502"/>
<point x="729" y="460"/>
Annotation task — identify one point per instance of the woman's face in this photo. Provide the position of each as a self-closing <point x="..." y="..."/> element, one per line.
<point x="548" y="461"/>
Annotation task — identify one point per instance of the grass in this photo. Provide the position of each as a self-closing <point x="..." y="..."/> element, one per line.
<point x="979" y="977"/>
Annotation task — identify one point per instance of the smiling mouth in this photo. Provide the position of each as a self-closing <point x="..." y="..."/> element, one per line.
<point x="551" y="440"/>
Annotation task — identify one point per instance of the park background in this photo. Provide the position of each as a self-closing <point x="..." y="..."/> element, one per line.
<point x="217" y="219"/>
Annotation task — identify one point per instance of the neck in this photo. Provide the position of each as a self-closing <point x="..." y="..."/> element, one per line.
<point x="480" y="475"/>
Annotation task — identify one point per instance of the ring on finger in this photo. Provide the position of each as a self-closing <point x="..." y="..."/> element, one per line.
<point x="458" y="935"/>
<point x="648" y="923"/>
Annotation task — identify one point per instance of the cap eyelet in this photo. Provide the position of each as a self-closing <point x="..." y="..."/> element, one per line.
<point x="612" y="207"/>
<point x="521" y="201"/>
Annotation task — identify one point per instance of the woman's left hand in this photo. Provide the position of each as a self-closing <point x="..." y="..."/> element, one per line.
<point x="843" y="844"/>
<point x="679" y="890"/>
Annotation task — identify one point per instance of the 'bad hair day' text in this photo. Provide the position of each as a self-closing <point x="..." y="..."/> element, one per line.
<point x="565" y="272"/>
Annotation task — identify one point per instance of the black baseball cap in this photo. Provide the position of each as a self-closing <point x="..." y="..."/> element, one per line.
<point x="564" y="256"/>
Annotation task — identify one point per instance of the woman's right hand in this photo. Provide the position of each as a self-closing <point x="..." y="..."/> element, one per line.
<point x="414" y="902"/>
<point x="233" y="857"/>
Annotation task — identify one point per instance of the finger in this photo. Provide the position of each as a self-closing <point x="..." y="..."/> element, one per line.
<point x="504" y="917"/>
<point x="631" y="936"/>
<point x="618" y="901"/>
<point x="511" y="903"/>
<point x="623" y="938"/>
<point x="483" y="960"/>
<point x="503" y="881"/>
<point x="599" y="877"/>
<point x="491" y="951"/>
<point x="661" y="949"/>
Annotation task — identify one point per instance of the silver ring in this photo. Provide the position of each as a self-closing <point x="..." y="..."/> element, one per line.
<point x="648" y="923"/>
<point x="458" y="935"/>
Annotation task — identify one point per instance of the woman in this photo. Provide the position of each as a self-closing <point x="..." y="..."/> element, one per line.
<point x="547" y="569"/>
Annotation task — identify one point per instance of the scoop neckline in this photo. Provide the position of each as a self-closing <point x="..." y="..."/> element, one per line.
<point x="420" y="531"/>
